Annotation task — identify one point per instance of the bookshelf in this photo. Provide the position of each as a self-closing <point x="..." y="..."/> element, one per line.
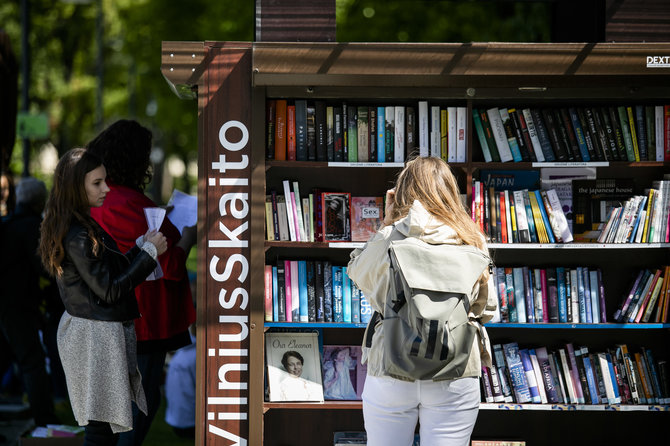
<point x="476" y="75"/>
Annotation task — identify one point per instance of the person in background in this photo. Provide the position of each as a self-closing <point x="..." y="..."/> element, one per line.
<point x="165" y="304"/>
<point x="180" y="390"/>
<point x="7" y="193"/>
<point x="21" y="297"/>
<point x="96" y="338"/>
<point x="425" y="204"/>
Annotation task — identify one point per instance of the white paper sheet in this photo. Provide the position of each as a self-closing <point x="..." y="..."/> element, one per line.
<point x="184" y="210"/>
<point x="155" y="217"/>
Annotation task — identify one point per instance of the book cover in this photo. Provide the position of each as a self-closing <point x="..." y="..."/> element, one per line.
<point x="594" y="199"/>
<point x="335" y="216"/>
<point x="538" y="375"/>
<point x="343" y="372"/>
<point x="503" y="376"/>
<point x="517" y="373"/>
<point x="511" y="180"/>
<point x="366" y="217"/>
<point x="519" y="294"/>
<point x="293" y="367"/>
<point x="527" y="118"/>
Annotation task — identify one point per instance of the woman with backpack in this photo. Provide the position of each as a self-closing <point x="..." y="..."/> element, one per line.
<point x="423" y="209"/>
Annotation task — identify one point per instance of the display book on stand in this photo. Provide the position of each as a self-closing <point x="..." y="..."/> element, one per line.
<point x="570" y="374"/>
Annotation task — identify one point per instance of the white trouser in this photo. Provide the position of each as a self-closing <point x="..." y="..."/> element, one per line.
<point x="447" y="411"/>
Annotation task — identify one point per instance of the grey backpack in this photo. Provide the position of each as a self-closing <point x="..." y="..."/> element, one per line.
<point x="425" y="320"/>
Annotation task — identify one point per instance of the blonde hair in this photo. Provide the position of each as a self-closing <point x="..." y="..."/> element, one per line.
<point x="431" y="182"/>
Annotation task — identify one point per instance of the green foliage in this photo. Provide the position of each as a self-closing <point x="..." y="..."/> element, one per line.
<point x="63" y="52"/>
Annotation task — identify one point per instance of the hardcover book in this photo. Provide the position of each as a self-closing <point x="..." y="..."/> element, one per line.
<point x="293" y="367"/>
<point x="335" y="216"/>
<point x="366" y="217"/>
<point x="343" y="372"/>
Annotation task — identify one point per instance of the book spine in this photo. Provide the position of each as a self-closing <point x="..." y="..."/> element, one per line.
<point x="303" y="302"/>
<point x="532" y="133"/>
<point x="300" y="130"/>
<point x="641" y="131"/>
<point x="372" y="136"/>
<point x="399" y="134"/>
<point x="553" y="133"/>
<point x="346" y="296"/>
<point x="280" y="130"/>
<point x="530" y="376"/>
<point x="338" y="314"/>
<point x="381" y="135"/>
<point x="362" y="134"/>
<point x="517" y="373"/>
<point x="327" y="291"/>
<point x="311" y="290"/>
<point x="319" y="291"/>
<point x="270" y="121"/>
<point x="352" y="133"/>
<point x="424" y="134"/>
<point x="389" y="138"/>
<point x="499" y="134"/>
<point x="579" y="134"/>
<point x="320" y="119"/>
<point x="267" y="278"/>
<point x="509" y="134"/>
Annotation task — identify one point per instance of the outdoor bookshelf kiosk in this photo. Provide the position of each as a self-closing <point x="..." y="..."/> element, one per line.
<point x="233" y="81"/>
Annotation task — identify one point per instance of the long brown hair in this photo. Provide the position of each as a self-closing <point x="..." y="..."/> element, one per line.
<point x="431" y="182"/>
<point x="68" y="201"/>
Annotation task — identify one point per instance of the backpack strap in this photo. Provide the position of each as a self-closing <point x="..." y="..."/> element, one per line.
<point x="370" y="331"/>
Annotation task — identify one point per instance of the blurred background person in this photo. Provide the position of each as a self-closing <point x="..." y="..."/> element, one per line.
<point x="21" y="296"/>
<point x="165" y="304"/>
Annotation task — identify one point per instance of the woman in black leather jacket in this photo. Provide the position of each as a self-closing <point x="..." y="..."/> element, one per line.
<point x="96" y="337"/>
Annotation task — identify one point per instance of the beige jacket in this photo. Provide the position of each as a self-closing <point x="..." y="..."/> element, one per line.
<point x="369" y="269"/>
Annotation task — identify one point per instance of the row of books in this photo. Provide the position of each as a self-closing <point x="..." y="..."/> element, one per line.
<point x="607" y="133"/>
<point x="519" y="216"/>
<point x="320" y="216"/>
<point x="312" y="291"/>
<point x="641" y="218"/>
<point x="537" y="295"/>
<point x="575" y="376"/>
<point x="326" y="372"/>
<point x="302" y="130"/>
<point x="647" y="300"/>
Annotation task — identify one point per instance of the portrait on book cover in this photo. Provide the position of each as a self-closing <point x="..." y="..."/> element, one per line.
<point x="294" y="367"/>
<point x="336" y="223"/>
<point x="366" y="217"/>
<point x="343" y="372"/>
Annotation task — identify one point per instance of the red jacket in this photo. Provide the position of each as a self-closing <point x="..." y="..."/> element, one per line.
<point x="166" y="305"/>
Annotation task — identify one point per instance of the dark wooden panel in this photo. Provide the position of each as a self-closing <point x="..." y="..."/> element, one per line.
<point x="637" y="21"/>
<point x="295" y="21"/>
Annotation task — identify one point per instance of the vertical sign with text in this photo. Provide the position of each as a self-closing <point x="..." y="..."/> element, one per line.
<point x="224" y="187"/>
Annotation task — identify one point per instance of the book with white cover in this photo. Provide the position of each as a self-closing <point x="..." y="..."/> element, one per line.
<point x="499" y="134"/>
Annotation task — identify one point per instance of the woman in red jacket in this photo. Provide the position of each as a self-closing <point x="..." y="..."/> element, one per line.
<point x="165" y="304"/>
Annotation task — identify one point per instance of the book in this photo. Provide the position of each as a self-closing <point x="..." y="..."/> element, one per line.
<point x="319" y="291"/>
<point x="499" y="134"/>
<point x="267" y="297"/>
<point x="461" y="125"/>
<point x="281" y="291"/>
<point x="531" y="378"/>
<point x="352" y="133"/>
<point x="338" y="134"/>
<point x="301" y="130"/>
<point x="270" y="121"/>
<point x="338" y="294"/>
<point x="293" y="367"/>
<point x="512" y="141"/>
<point x="327" y="291"/>
<point x="372" y="134"/>
<point x="343" y="372"/>
<point x="389" y="133"/>
<point x="399" y="134"/>
<point x="517" y="373"/>
<point x="363" y="134"/>
<point x="381" y="134"/>
<point x="335" y="216"/>
<point x="293" y="281"/>
<point x="321" y="131"/>
<point x="366" y="217"/>
<point x="280" y="129"/>
<point x="310" y="284"/>
<point x="423" y="125"/>
<point x="594" y="199"/>
<point x="346" y="296"/>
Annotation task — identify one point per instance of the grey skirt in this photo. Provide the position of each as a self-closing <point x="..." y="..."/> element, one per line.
<point x="100" y="363"/>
